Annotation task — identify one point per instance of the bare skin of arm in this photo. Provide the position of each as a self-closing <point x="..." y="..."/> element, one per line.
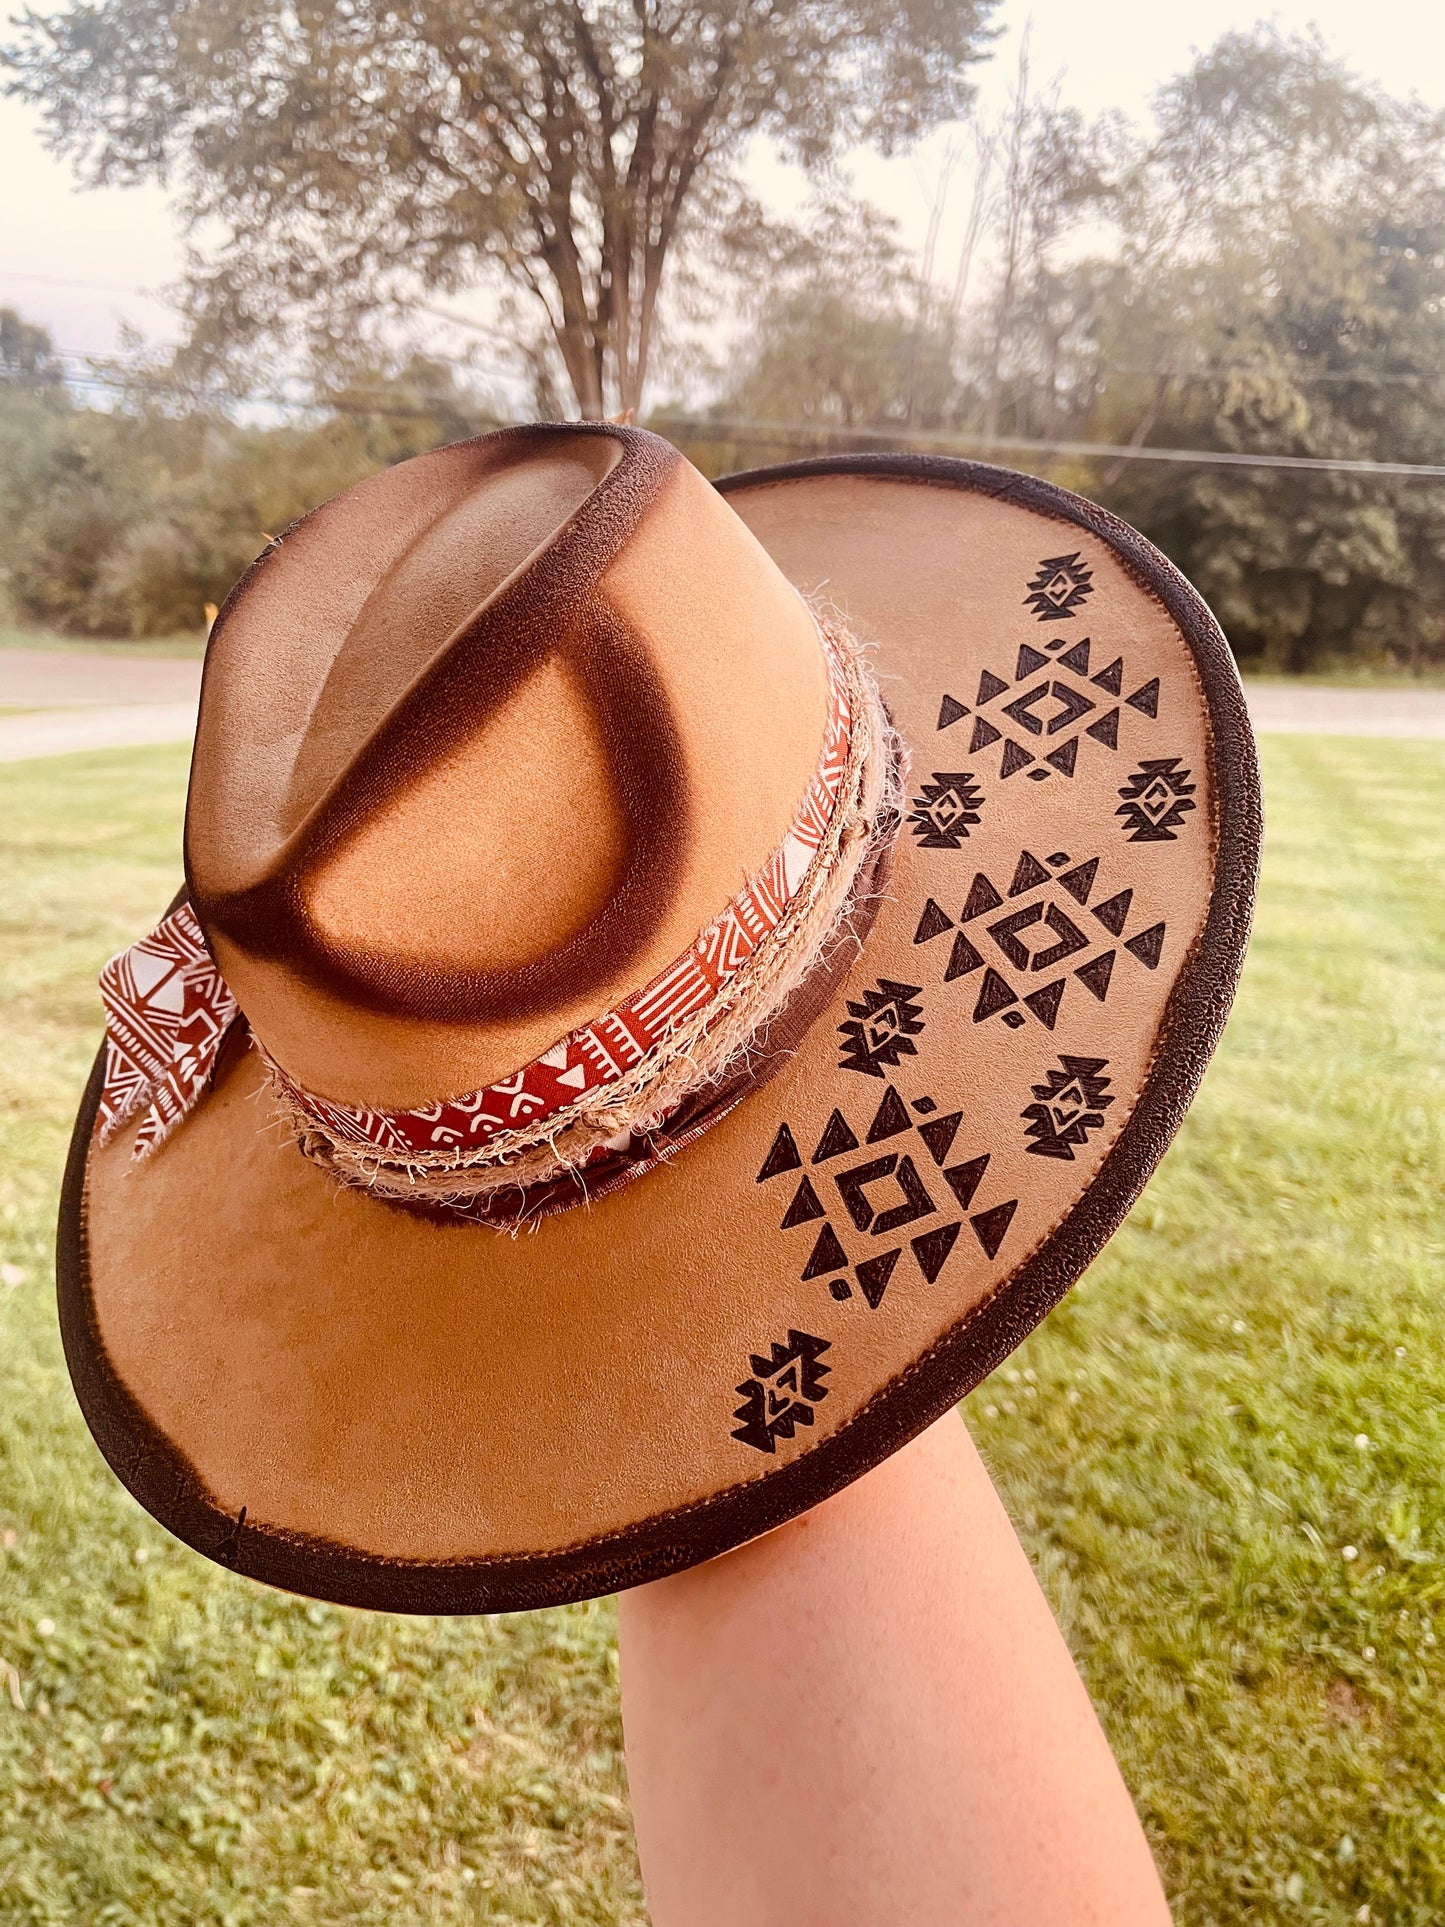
<point x="869" y="1718"/>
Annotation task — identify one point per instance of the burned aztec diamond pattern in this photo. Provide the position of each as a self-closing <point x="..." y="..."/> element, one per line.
<point x="1069" y="1104"/>
<point x="901" y="1186"/>
<point x="1041" y="717"/>
<point x="1060" y="586"/>
<point x="1056" y="923"/>
<point x="946" y="811"/>
<point x="1155" y="800"/>
<point x="781" y="1394"/>
<point x="880" y="1027"/>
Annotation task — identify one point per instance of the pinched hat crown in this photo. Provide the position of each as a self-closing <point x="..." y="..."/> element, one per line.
<point x="484" y="744"/>
<point x="520" y="839"/>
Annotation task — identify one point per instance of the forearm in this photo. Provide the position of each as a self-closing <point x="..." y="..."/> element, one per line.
<point x="869" y="1718"/>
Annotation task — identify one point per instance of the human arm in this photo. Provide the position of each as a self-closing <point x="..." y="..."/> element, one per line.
<point x="869" y="1718"/>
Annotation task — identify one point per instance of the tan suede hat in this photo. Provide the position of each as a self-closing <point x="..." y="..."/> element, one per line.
<point x="672" y="984"/>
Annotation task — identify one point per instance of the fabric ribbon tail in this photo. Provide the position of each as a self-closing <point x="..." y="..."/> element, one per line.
<point x="167" y="1014"/>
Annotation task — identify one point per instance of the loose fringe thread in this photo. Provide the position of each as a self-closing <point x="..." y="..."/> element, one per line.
<point x="703" y="1052"/>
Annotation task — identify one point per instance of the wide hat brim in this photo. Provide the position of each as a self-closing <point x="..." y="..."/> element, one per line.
<point x="353" y="1401"/>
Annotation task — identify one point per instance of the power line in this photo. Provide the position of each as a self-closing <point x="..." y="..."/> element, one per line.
<point x="388" y="409"/>
<point x="700" y="427"/>
<point x="128" y="374"/>
<point x="465" y="321"/>
<point x="714" y="427"/>
<point x="65" y="281"/>
<point x="1299" y="377"/>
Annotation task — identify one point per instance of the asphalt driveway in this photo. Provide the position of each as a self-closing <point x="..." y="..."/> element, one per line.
<point x="66" y="700"/>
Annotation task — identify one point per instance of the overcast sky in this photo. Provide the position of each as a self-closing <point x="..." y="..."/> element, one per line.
<point x="81" y="262"/>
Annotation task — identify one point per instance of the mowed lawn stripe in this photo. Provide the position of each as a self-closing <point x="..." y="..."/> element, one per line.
<point x="1180" y="1445"/>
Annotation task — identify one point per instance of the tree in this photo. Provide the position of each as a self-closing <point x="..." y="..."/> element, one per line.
<point x="847" y="335"/>
<point x="1054" y="173"/>
<point x="827" y="359"/>
<point x="131" y="518"/>
<point x="34" y="411"/>
<point x="354" y="159"/>
<point x="28" y="361"/>
<point x="1280" y="290"/>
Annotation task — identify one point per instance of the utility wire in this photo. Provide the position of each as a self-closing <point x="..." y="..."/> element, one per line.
<point x="65" y="281"/>
<point x="722" y="428"/>
<point x="756" y="431"/>
<point x="323" y="405"/>
<point x="1301" y="377"/>
<point x="128" y="375"/>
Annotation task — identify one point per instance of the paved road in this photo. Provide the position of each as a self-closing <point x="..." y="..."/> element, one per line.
<point x="1315" y="709"/>
<point x="76" y="679"/>
<point x="58" y="732"/>
<point x="88" y="700"/>
<point x="93" y="699"/>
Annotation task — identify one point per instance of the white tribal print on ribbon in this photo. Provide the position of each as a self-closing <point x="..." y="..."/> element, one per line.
<point x="167" y="1008"/>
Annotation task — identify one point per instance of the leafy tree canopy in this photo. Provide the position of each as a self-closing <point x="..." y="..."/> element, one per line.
<point x="1259" y="273"/>
<point x="130" y="519"/>
<point x="1281" y="291"/>
<point x="28" y="360"/>
<point x="845" y="336"/>
<point x="339" y="162"/>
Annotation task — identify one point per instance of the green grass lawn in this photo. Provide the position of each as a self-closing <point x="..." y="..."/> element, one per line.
<point x="1224" y="1452"/>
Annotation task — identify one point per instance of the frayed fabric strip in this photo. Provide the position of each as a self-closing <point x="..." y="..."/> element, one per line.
<point x="515" y="1207"/>
<point x="686" y="1032"/>
<point x="603" y="1103"/>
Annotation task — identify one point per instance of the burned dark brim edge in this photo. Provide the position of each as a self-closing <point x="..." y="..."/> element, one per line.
<point x="165" y="1483"/>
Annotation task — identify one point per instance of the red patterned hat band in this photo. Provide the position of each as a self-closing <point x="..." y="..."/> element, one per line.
<point x="604" y="1103"/>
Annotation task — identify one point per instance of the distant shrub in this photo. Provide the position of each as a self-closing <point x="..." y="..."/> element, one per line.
<point x="127" y="522"/>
